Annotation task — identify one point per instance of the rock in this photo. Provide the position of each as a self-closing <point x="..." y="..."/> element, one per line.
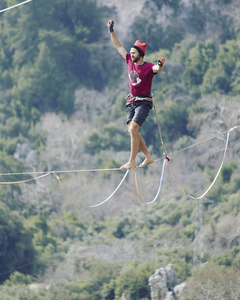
<point x="171" y="277"/>
<point x="158" y="284"/>
<point x="24" y="153"/>
<point x="163" y="284"/>
<point x="178" y="289"/>
<point x="123" y="297"/>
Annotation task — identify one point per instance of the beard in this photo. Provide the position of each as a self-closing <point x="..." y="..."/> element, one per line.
<point x="136" y="59"/>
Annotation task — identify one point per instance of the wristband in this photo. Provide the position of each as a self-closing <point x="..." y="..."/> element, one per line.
<point x="111" y="27"/>
<point x="161" y="61"/>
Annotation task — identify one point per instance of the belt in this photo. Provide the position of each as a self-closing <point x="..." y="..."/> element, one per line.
<point x="139" y="98"/>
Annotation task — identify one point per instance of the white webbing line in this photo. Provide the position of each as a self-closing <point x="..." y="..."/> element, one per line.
<point x="219" y="170"/>
<point x="19" y="4"/>
<point x="160" y="183"/>
<point x="112" y="192"/>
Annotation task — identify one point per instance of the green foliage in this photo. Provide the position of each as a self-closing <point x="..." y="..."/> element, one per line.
<point x="197" y="63"/>
<point x="226" y="190"/>
<point x="189" y="231"/>
<point x="102" y="273"/>
<point x="196" y="19"/>
<point x="174" y="4"/>
<point x="47" y="51"/>
<point x="227" y="258"/>
<point x="111" y="138"/>
<point x="17" y="251"/>
<point x="173" y="121"/>
<point x="216" y="282"/>
<point x="227" y="171"/>
<point x="173" y="217"/>
<point x="18" y="278"/>
<point x="147" y="29"/>
<point x="133" y="281"/>
<point x="220" y="74"/>
<point x="50" y="46"/>
<point x="10" y="193"/>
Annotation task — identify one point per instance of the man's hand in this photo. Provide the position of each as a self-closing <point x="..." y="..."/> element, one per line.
<point x="161" y="61"/>
<point x="110" y="26"/>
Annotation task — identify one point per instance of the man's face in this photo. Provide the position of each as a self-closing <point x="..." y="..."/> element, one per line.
<point x="134" y="55"/>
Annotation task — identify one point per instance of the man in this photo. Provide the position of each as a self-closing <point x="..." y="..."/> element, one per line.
<point x="139" y="102"/>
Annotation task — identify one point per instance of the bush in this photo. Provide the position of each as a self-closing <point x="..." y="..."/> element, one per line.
<point x="133" y="281"/>
<point x="213" y="282"/>
<point x="17" y="251"/>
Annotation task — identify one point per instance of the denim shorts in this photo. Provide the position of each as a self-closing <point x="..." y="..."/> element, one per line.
<point x="138" y="111"/>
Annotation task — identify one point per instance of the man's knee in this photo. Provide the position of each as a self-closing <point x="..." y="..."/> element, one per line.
<point x="133" y="128"/>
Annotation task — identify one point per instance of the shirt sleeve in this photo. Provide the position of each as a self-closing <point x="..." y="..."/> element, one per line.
<point x="127" y="57"/>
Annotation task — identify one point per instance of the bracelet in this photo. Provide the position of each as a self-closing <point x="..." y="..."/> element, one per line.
<point x="111" y="27"/>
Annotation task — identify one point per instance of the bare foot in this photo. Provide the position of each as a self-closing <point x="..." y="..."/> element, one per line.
<point x="128" y="166"/>
<point x="146" y="162"/>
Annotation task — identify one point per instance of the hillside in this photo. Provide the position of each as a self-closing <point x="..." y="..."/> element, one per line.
<point x="63" y="111"/>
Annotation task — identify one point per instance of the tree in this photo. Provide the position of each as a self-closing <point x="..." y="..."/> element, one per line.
<point x="220" y="76"/>
<point x="196" y="65"/>
<point x="17" y="252"/>
<point x="133" y="281"/>
<point x="50" y="46"/>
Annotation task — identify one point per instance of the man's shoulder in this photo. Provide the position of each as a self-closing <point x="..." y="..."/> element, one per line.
<point x="148" y="64"/>
<point x="128" y="57"/>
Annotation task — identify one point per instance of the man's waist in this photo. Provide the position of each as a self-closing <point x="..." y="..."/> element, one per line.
<point x="146" y="97"/>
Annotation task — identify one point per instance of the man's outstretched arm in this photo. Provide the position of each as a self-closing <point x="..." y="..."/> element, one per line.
<point x="116" y="41"/>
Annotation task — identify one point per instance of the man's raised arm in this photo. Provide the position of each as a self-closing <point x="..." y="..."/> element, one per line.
<point x="116" y="41"/>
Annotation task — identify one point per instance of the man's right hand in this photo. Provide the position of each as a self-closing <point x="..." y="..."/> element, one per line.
<point x="110" y="25"/>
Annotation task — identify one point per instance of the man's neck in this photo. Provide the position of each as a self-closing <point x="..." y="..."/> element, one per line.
<point x="140" y="62"/>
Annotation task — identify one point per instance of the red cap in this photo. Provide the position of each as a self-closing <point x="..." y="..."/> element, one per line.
<point x="141" y="46"/>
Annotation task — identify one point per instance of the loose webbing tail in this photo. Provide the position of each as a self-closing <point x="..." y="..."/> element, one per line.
<point x="59" y="181"/>
<point x="136" y="183"/>
<point x="214" y="180"/>
<point x="24" y="181"/>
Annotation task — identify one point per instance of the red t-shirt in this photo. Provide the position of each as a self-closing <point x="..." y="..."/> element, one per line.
<point x="140" y="78"/>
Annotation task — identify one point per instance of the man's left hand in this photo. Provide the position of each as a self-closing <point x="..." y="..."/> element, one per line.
<point x="161" y="61"/>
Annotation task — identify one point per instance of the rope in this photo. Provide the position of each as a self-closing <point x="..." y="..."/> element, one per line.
<point x="136" y="183"/>
<point x="160" y="183"/>
<point x="112" y="192"/>
<point x="168" y="159"/>
<point x="59" y="181"/>
<point x="64" y="171"/>
<point x="24" y="181"/>
<point x="159" y="131"/>
<point x="206" y="140"/>
<point x="159" y="187"/>
<point x="114" y="169"/>
<point x="214" y="180"/>
<point x="19" y="4"/>
<point x="118" y="169"/>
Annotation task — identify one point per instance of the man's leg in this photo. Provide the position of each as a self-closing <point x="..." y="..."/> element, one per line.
<point x="144" y="149"/>
<point x="137" y="142"/>
<point x="133" y="129"/>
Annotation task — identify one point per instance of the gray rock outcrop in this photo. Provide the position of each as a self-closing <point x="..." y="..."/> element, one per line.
<point x="163" y="284"/>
